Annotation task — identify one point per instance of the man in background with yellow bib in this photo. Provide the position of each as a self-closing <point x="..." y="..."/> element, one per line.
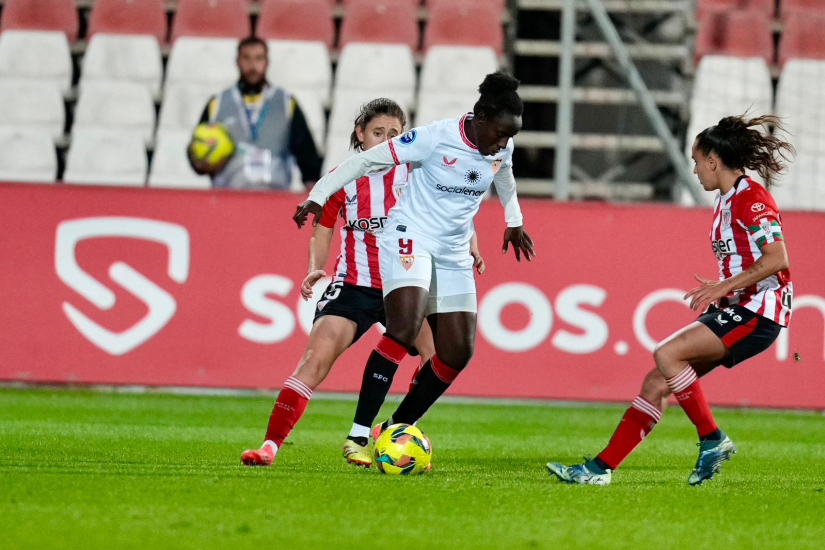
<point x="266" y="126"/>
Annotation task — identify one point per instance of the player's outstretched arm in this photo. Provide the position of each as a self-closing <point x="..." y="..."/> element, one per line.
<point x="350" y="170"/>
<point x="515" y="234"/>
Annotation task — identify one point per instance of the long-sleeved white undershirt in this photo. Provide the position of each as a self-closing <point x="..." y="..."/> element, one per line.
<point x="380" y="157"/>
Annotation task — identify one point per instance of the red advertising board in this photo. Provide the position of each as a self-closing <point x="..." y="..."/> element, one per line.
<point x="201" y="288"/>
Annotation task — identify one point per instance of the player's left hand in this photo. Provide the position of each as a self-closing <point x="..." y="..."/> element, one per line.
<point x="706" y="294"/>
<point x="309" y="281"/>
<point x="304" y="210"/>
<point x="522" y="243"/>
<point x="478" y="261"/>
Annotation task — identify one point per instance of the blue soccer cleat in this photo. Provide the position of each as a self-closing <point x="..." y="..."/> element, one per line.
<point x="712" y="453"/>
<point x="582" y="474"/>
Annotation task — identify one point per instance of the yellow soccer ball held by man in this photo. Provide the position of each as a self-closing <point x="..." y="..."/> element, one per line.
<point x="211" y="143"/>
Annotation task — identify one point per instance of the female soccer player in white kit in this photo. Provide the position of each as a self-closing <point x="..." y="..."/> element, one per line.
<point x="425" y="260"/>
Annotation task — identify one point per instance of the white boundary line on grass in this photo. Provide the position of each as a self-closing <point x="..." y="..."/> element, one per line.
<point x="137" y="389"/>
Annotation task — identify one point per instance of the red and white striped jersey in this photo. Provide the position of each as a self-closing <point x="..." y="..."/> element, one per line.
<point x="363" y="205"/>
<point x="744" y="220"/>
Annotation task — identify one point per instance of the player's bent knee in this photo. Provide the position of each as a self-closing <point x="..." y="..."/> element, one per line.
<point x="312" y="369"/>
<point x="664" y="354"/>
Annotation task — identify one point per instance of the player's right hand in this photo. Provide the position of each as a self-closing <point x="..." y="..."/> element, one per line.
<point x="304" y="210"/>
<point x="310" y="280"/>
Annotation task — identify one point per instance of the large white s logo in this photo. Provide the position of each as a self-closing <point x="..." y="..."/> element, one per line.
<point x="161" y="305"/>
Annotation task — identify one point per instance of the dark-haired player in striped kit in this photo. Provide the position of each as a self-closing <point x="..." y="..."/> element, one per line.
<point x="746" y="307"/>
<point x="352" y="303"/>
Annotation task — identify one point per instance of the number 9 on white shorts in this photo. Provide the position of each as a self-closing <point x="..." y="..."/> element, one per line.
<point x="410" y="259"/>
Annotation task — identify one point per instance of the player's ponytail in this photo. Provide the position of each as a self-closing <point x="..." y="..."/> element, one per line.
<point x="499" y="96"/>
<point x="740" y="145"/>
<point x="372" y="109"/>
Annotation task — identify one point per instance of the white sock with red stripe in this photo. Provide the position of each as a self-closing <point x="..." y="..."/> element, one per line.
<point x="688" y="392"/>
<point x="637" y="422"/>
<point x="290" y="405"/>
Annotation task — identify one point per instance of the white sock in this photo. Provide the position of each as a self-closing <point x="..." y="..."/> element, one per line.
<point x="359" y="431"/>
<point x="272" y="446"/>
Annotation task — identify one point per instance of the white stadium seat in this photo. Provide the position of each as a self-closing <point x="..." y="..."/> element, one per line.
<point x="133" y="58"/>
<point x="27" y="154"/>
<point x="124" y="106"/>
<point x="203" y="61"/>
<point x="346" y="105"/>
<point x="386" y="67"/>
<point x="301" y="67"/>
<point x="437" y="106"/>
<point x="170" y="163"/>
<point x="39" y="55"/>
<point x="183" y="105"/>
<point x="198" y="69"/>
<point x="800" y="106"/>
<point x="32" y="103"/>
<point x="726" y="86"/>
<point x="337" y="150"/>
<point x="315" y="116"/>
<point x="106" y="157"/>
<point x="456" y="69"/>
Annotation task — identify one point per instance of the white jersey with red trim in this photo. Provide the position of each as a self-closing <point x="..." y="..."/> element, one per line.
<point x="744" y="220"/>
<point x="363" y="206"/>
<point x="448" y="179"/>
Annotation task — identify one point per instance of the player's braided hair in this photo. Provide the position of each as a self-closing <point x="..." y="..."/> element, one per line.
<point x="372" y="109"/>
<point x="740" y="144"/>
<point x="499" y="96"/>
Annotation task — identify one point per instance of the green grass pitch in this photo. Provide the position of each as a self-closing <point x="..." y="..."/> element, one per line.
<point x="105" y="470"/>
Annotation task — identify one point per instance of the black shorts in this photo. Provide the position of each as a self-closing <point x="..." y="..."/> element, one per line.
<point x="361" y="305"/>
<point x="743" y="332"/>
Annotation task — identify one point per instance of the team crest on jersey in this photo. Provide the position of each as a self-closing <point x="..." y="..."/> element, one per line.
<point x="408" y="138"/>
<point x="496" y="165"/>
<point x="726" y="218"/>
<point x="407" y="261"/>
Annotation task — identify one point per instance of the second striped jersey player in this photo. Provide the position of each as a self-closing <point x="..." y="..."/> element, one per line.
<point x="744" y="220"/>
<point x="363" y="205"/>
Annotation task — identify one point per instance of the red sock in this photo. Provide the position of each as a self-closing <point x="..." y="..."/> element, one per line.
<point x="688" y="392"/>
<point x="637" y="422"/>
<point x="443" y="371"/>
<point x="417" y="370"/>
<point x="290" y="405"/>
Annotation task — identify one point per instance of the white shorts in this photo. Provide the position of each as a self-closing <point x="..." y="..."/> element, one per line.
<point x="411" y="259"/>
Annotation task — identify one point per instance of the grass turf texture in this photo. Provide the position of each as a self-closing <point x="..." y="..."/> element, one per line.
<point x="94" y="470"/>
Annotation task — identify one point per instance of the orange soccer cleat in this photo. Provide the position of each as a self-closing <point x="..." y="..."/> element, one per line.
<point x="258" y="457"/>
